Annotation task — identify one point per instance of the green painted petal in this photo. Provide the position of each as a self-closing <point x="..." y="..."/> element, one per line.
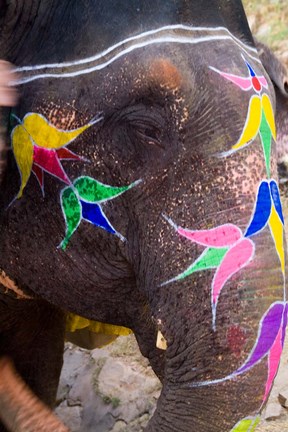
<point x="93" y="191"/>
<point x="247" y="425"/>
<point x="266" y="139"/>
<point x="71" y="208"/>
<point x="210" y="258"/>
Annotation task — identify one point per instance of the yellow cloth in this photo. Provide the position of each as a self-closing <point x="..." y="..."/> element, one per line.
<point x="75" y="322"/>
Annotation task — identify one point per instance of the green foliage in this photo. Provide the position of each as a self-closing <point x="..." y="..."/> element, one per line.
<point x="269" y="20"/>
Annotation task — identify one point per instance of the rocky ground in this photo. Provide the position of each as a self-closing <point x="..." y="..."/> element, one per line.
<point x="114" y="389"/>
<point x="110" y="389"/>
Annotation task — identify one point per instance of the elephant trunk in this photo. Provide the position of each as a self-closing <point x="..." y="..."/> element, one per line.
<point x="20" y="410"/>
<point x="221" y="343"/>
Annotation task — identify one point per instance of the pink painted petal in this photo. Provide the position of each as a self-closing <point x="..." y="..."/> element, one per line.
<point x="48" y="160"/>
<point x="243" y="83"/>
<point x="224" y="235"/>
<point x="236" y="258"/>
<point x="273" y="362"/>
<point x="263" y="81"/>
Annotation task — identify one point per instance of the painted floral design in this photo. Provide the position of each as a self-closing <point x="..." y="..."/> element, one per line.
<point x="270" y="342"/>
<point x="268" y="211"/>
<point x="260" y="117"/>
<point x="39" y="146"/>
<point x="82" y="201"/>
<point x="228" y="249"/>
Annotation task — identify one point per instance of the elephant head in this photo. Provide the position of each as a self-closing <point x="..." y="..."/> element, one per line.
<point x="141" y="191"/>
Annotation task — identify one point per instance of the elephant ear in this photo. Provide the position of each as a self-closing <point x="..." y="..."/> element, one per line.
<point x="279" y="77"/>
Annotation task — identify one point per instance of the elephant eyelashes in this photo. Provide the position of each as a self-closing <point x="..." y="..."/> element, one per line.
<point x="143" y="124"/>
<point x="149" y="135"/>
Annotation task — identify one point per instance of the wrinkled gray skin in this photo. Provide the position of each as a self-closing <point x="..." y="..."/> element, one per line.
<point x="166" y="118"/>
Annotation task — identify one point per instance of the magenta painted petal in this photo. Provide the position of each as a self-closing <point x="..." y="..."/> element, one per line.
<point x="273" y="362"/>
<point x="263" y="81"/>
<point x="224" y="235"/>
<point x="243" y="83"/>
<point x="48" y="160"/>
<point x="236" y="258"/>
<point x="268" y="330"/>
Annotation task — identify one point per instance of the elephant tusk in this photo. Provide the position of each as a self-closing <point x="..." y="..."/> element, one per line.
<point x="10" y="285"/>
<point x="161" y="342"/>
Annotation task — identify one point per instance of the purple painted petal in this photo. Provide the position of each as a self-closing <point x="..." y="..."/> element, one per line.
<point x="284" y="324"/>
<point x="268" y="330"/>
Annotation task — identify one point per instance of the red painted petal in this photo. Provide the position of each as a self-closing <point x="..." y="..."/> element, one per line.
<point x="224" y="235"/>
<point x="48" y="161"/>
<point x="38" y="172"/>
<point x="64" y="153"/>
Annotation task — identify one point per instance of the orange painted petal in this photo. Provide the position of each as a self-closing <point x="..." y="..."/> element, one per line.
<point x="23" y="152"/>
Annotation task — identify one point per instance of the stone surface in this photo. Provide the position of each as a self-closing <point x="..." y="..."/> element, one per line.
<point x="107" y="390"/>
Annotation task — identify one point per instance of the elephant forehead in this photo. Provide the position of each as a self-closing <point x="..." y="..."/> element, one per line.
<point x="177" y="36"/>
<point x="164" y="73"/>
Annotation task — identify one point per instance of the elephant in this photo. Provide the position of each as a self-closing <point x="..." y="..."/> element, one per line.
<point x="140" y="191"/>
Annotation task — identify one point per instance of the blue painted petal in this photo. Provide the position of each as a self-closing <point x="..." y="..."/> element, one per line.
<point x="251" y="70"/>
<point x="262" y="210"/>
<point x="93" y="213"/>
<point x="276" y="199"/>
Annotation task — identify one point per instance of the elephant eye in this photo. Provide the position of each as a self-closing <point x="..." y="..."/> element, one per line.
<point x="144" y="124"/>
<point x="148" y="133"/>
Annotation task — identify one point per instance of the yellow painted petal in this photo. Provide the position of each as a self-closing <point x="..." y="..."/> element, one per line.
<point x="247" y="425"/>
<point x="269" y="114"/>
<point x="252" y="123"/>
<point x="277" y="231"/>
<point x="23" y="151"/>
<point x="45" y="135"/>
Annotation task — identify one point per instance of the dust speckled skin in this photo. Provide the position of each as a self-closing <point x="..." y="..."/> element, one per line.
<point x="166" y="118"/>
